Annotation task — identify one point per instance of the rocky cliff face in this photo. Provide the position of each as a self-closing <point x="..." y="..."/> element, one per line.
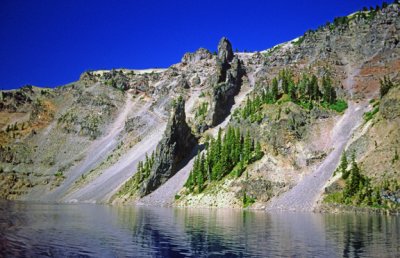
<point x="200" y="54"/>
<point x="224" y="92"/>
<point x="176" y="145"/>
<point x="100" y="126"/>
<point x="225" y="84"/>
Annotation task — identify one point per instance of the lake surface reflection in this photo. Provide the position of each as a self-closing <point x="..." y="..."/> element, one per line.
<point x="42" y="230"/>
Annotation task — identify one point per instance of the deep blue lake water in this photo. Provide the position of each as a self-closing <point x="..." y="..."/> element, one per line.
<point x="46" y="230"/>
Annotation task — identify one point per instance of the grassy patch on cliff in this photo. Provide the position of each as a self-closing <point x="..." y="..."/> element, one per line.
<point x="339" y="105"/>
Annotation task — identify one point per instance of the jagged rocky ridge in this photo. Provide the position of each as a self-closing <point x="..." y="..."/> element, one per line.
<point x="57" y="129"/>
<point x="176" y="145"/>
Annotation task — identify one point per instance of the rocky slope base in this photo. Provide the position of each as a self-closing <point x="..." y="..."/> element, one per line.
<point x="85" y="141"/>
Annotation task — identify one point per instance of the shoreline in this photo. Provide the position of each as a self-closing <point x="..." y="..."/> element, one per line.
<point x="321" y="209"/>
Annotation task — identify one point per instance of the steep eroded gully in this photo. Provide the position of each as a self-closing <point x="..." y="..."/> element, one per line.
<point x="164" y="195"/>
<point x="98" y="150"/>
<point x="95" y="154"/>
<point x="304" y="195"/>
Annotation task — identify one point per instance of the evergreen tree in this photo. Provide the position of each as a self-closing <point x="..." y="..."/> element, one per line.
<point x="189" y="183"/>
<point x="247" y="147"/>
<point x="217" y="170"/>
<point x="240" y="167"/>
<point x="244" y="198"/>
<point x="207" y="169"/>
<point x="274" y="90"/>
<point x="258" y="151"/>
<point x="238" y="145"/>
<point x="200" y="181"/>
<point x="302" y="85"/>
<point x="293" y="92"/>
<point x="315" y="94"/>
<point x="218" y="145"/>
<point x="309" y="89"/>
<point x="354" y="181"/>
<point x="228" y="153"/>
<point x="343" y="166"/>
<point x="329" y="94"/>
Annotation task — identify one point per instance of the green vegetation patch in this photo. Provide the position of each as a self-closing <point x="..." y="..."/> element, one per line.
<point x="359" y="191"/>
<point x="228" y="154"/>
<point x="201" y="111"/>
<point x="370" y="114"/>
<point x="59" y="174"/>
<point x="307" y="92"/>
<point x="339" y="106"/>
<point x="247" y="200"/>
<point x="142" y="173"/>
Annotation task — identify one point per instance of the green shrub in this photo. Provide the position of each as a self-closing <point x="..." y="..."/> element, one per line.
<point x="306" y="105"/>
<point x="369" y="115"/>
<point x="247" y="200"/>
<point x="339" y="106"/>
<point x="59" y="174"/>
<point x="334" y="198"/>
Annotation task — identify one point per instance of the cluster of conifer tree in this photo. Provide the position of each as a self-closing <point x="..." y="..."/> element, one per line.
<point x="143" y="169"/>
<point x="142" y="173"/>
<point x="230" y="153"/>
<point x="305" y="92"/>
<point x="366" y="13"/>
<point x="359" y="190"/>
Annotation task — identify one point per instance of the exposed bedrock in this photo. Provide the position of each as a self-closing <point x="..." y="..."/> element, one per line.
<point x="176" y="144"/>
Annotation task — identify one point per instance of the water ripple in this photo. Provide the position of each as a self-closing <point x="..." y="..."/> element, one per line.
<point x="42" y="230"/>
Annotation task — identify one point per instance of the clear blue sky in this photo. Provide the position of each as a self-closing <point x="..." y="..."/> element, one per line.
<point x="51" y="42"/>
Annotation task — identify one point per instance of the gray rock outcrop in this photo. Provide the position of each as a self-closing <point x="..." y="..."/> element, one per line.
<point x="225" y="53"/>
<point x="177" y="143"/>
<point x="226" y="82"/>
<point x="200" y="54"/>
<point x="224" y="92"/>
